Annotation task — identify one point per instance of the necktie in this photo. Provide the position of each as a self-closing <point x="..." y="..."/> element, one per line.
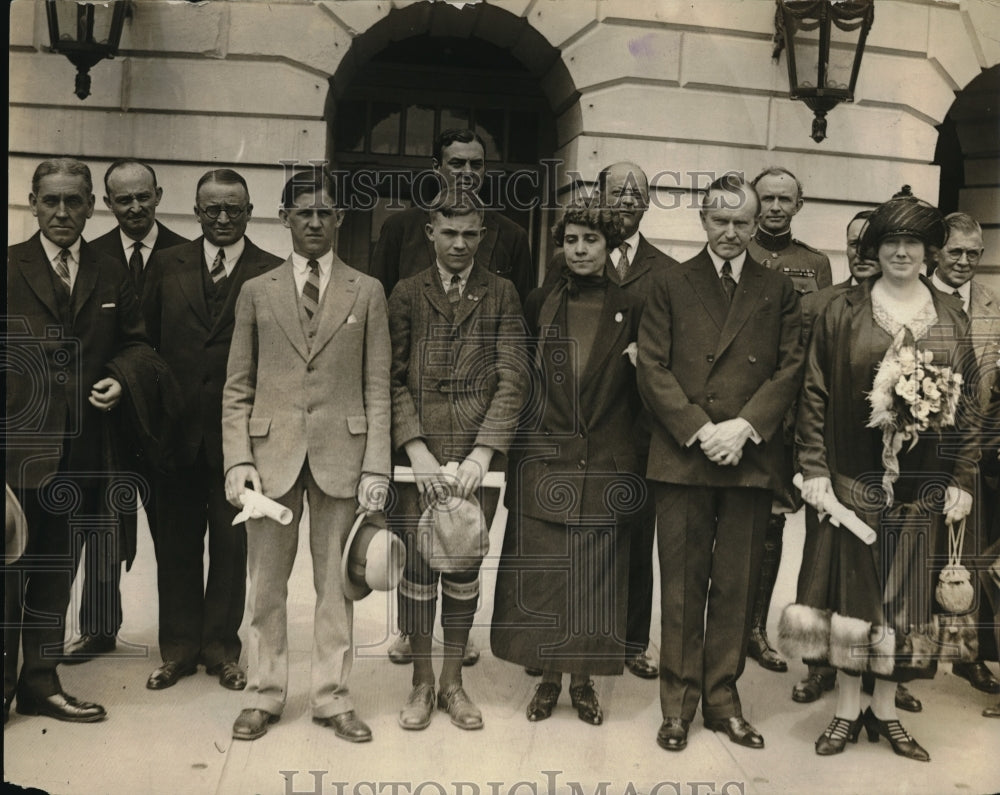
<point x="310" y="290"/>
<point x="62" y="268"/>
<point x="454" y="295"/>
<point x="961" y="302"/>
<point x="135" y="263"/>
<point x="623" y="263"/>
<point x="218" y="271"/>
<point x="728" y="282"/>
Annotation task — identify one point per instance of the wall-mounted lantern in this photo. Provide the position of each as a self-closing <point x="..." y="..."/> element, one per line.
<point x="86" y="33"/>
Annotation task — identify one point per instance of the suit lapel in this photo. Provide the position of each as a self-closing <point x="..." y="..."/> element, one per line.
<point x="744" y="303"/>
<point x="338" y="300"/>
<point x="613" y="320"/>
<point x="86" y="279"/>
<point x="435" y="295"/>
<point x="284" y="300"/>
<point x="705" y="281"/>
<point x="35" y="270"/>
<point x="475" y="292"/>
<point x="189" y="278"/>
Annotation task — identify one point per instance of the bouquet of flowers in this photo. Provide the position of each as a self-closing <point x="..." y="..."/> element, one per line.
<point x="910" y="396"/>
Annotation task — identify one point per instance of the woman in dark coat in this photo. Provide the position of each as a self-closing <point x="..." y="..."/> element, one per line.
<point x="561" y="589"/>
<point x="868" y="608"/>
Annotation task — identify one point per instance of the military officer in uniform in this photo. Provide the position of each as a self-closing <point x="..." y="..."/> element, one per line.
<point x="780" y="194"/>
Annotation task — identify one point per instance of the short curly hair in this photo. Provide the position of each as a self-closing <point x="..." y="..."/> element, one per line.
<point x="589" y="214"/>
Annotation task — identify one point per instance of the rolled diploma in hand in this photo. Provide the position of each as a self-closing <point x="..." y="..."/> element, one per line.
<point x="491" y="480"/>
<point x="841" y="515"/>
<point x="256" y="506"/>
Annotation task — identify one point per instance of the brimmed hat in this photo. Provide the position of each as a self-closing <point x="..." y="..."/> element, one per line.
<point x="452" y="534"/>
<point x="373" y="558"/>
<point x="904" y="214"/>
<point x="17" y="529"/>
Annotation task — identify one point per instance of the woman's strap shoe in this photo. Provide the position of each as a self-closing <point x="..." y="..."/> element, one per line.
<point x="835" y="737"/>
<point x="900" y="740"/>
<point x="543" y="701"/>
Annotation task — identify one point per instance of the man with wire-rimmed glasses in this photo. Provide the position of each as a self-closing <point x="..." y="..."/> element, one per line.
<point x="189" y="301"/>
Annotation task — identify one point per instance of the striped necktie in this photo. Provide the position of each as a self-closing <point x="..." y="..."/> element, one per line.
<point x="623" y="263"/>
<point x="62" y="268"/>
<point x="218" y="271"/>
<point x="310" y="290"/>
<point x="961" y="303"/>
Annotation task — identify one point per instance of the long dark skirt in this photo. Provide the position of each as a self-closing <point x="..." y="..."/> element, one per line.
<point x="871" y="608"/>
<point x="561" y="597"/>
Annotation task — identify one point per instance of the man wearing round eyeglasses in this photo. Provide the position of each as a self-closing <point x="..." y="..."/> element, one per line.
<point x="189" y="301"/>
<point x="954" y="274"/>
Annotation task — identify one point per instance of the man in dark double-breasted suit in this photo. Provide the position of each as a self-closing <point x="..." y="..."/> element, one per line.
<point x="72" y="320"/>
<point x="720" y="355"/>
<point x="132" y="195"/>
<point x="189" y="304"/>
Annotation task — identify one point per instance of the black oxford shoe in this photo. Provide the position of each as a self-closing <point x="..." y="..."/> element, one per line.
<point x="739" y="731"/>
<point x="347" y="726"/>
<point x="61" y="706"/>
<point x="88" y="647"/>
<point x="978" y="675"/>
<point x="812" y="687"/>
<point x="543" y="701"/>
<point x="673" y="734"/>
<point x="584" y="699"/>
<point x="231" y="676"/>
<point x="760" y="650"/>
<point x="905" y="700"/>
<point x="168" y="674"/>
<point x="252" y="723"/>
<point x="642" y="666"/>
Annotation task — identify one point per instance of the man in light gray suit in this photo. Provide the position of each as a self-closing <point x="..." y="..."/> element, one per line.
<point x="305" y="414"/>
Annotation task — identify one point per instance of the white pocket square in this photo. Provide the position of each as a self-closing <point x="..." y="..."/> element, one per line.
<point x="112" y="305"/>
<point x="351" y="319"/>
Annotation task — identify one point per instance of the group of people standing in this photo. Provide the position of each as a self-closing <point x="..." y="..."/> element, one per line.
<point x="630" y="397"/>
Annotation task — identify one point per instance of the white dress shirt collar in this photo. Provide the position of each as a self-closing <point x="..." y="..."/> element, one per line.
<point x="965" y="290"/>
<point x="233" y="253"/>
<point x="633" y="245"/>
<point x="300" y="270"/>
<point x="128" y="244"/>
<point x="736" y="263"/>
<point x="446" y="275"/>
<point x="52" y="251"/>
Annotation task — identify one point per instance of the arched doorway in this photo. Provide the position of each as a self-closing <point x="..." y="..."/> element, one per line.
<point x="968" y="153"/>
<point x="431" y="67"/>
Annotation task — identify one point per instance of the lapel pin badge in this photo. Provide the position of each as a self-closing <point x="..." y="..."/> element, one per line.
<point x="619" y="317"/>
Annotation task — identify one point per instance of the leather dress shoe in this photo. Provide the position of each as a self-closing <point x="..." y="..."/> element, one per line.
<point x="673" y="734"/>
<point x="543" y="701"/>
<point x="992" y="712"/>
<point x="901" y="741"/>
<point x="533" y="671"/>
<point x="347" y="726"/>
<point x="61" y="706"/>
<point x="231" y="676"/>
<point x="905" y="700"/>
<point x="978" y="675"/>
<point x="401" y="652"/>
<point x="642" y="666"/>
<point x="416" y="713"/>
<point x="252" y="723"/>
<point x="471" y="654"/>
<point x="812" y="687"/>
<point x="459" y="706"/>
<point x="739" y="731"/>
<point x="584" y="699"/>
<point x="168" y="674"/>
<point x="88" y="647"/>
<point x="760" y="650"/>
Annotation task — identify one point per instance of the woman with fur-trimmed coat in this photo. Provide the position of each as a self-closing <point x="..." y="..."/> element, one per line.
<point x="869" y="608"/>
